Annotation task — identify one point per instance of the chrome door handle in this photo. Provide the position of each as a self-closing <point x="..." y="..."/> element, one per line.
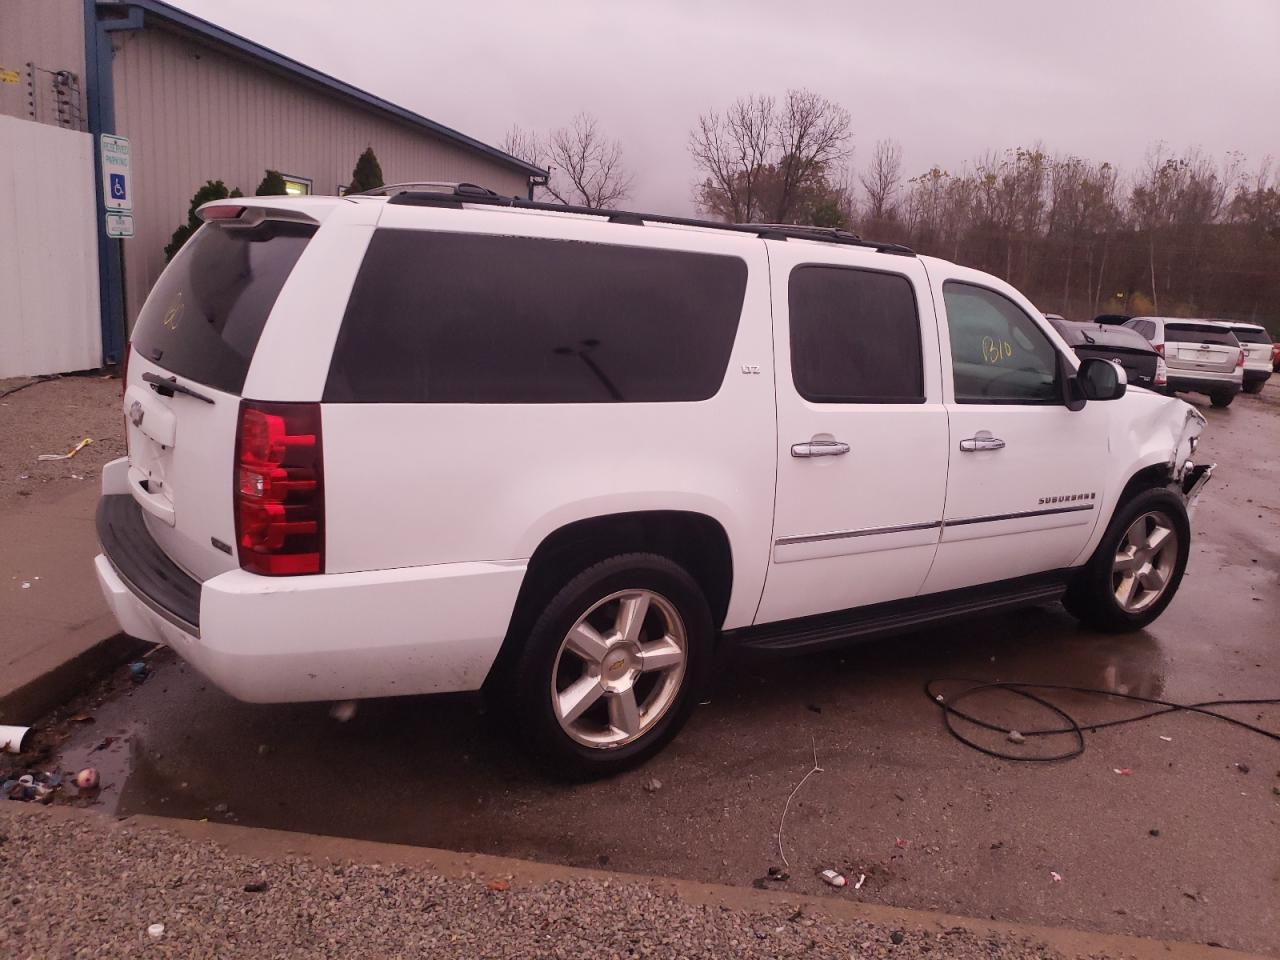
<point x="819" y="448"/>
<point x="981" y="443"/>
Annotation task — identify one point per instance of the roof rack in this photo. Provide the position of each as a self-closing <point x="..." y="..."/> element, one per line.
<point x="435" y="194"/>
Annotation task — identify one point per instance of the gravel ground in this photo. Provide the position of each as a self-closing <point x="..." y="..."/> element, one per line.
<point x="92" y="887"/>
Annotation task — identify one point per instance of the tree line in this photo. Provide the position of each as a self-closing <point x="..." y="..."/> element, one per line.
<point x="1184" y="234"/>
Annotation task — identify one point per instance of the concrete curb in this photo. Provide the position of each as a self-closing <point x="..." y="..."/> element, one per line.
<point x="266" y="844"/>
<point x="56" y="686"/>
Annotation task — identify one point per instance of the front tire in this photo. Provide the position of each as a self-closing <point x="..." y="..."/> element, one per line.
<point x="610" y="670"/>
<point x="1221" y="399"/>
<point x="1136" y="570"/>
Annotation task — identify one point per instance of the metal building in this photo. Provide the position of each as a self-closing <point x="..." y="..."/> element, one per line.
<point x="195" y="103"/>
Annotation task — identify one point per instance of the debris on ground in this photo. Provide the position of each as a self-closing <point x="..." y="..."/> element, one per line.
<point x="897" y="937"/>
<point x="1057" y="877"/>
<point x="1167" y="739"/>
<point x="833" y="878"/>
<point x="1242" y="767"/>
<point x="138" y="671"/>
<point x="155" y="931"/>
<point x="778" y="874"/>
<point x="1154" y="832"/>
<point x="87" y="779"/>
<point x="1122" y="771"/>
<point x="1016" y="737"/>
<point x="862" y="878"/>
<point x="46" y="457"/>
<point x="787" y="806"/>
<point x="256" y="886"/>
<point x="498" y="886"/>
<point x="901" y="844"/>
<point x="39" y="787"/>
<point x="652" y="785"/>
<point x="12" y="738"/>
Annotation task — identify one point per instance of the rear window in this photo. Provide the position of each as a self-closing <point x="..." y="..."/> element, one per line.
<point x="468" y="318"/>
<point x="1251" y="335"/>
<point x="1199" y="333"/>
<point x="205" y="314"/>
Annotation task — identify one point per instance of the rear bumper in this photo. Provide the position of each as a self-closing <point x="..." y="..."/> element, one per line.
<point x="413" y="630"/>
<point x="1256" y="374"/>
<point x="1199" y="383"/>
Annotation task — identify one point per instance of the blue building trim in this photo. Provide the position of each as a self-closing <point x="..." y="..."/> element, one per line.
<point x="101" y="103"/>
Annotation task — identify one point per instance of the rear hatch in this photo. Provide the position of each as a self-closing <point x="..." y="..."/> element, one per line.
<point x="1200" y="347"/>
<point x="190" y="353"/>
<point x="1256" y="344"/>
<point x="1120" y="345"/>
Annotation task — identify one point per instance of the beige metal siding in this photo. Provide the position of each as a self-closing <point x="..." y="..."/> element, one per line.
<point x="194" y="113"/>
<point x="49" y="34"/>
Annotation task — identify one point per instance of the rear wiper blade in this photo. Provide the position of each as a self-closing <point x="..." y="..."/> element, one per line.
<point x="168" y="386"/>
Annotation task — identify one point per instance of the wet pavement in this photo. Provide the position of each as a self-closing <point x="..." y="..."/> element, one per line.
<point x="1184" y="845"/>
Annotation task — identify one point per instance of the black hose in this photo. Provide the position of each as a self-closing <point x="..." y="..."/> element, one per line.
<point x="1073" y="727"/>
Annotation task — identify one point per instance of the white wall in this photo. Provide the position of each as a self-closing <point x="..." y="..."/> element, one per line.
<point x="49" y="309"/>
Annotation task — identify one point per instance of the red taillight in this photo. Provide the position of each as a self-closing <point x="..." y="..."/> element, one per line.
<point x="1275" y="353"/>
<point x="1240" y="359"/>
<point x="221" y="213"/>
<point x="1160" y="349"/>
<point x="279" y="488"/>
<point x="124" y="368"/>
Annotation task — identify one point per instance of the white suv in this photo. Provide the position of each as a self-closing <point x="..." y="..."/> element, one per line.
<point x="446" y="441"/>
<point x="1258" y="349"/>
<point x="1201" y="356"/>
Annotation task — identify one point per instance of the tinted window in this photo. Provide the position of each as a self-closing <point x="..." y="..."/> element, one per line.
<point x="1251" y="335"/>
<point x="206" y="312"/>
<point x="1199" y="333"/>
<point x="998" y="354"/>
<point x="855" y="336"/>
<point x="467" y="318"/>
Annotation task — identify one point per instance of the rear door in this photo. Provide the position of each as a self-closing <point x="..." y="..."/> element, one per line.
<point x="191" y="350"/>
<point x="1200" y="347"/>
<point x="862" y="432"/>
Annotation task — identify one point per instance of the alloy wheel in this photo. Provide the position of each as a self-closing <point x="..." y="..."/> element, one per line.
<point x="1144" y="562"/>
<point x="619" y="669"/>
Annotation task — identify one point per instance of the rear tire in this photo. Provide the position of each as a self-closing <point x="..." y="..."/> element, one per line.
<point x="610" y="670"/>
<point x="1221" y="399"/>
<point x="1135" y="572"/>
<point x="1254" y="386"/>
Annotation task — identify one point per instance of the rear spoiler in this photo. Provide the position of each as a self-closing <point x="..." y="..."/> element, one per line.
<point x="246" y="215"/>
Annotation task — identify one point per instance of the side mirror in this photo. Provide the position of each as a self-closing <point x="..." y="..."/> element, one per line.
<point x="1100" y="379"/>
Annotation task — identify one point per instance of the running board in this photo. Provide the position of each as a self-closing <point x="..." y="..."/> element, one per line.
<point x="806" y="634"/>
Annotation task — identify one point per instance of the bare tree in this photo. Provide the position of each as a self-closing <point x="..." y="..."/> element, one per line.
<point x="525" y="145"/>
<point x="586" y="167"/>
<point x="732" y="149"/>
<point x="762" y="160"/>
<point x="882" y="181"/>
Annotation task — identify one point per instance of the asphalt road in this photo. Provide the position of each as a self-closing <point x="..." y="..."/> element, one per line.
<point x="1183" y="845"/>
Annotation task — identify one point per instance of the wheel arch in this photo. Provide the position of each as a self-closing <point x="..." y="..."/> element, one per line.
<point x="696" y="541"/>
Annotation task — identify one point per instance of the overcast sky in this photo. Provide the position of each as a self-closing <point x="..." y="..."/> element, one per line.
<point x="949" y="80"/>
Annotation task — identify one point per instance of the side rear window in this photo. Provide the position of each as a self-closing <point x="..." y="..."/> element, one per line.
<point x="855" y="336"/>
<point x="1199" y="333"/>
<point x="470" y="318"/>
<point x="205" y="314"/>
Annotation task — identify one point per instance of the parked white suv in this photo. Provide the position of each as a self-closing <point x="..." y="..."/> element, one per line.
<point x="1256" y="343"/>
<point x="1202" y="356"/>
<point x="444" y="441"/>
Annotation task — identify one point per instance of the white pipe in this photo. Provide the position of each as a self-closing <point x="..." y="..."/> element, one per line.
<point x="12" y="739"/>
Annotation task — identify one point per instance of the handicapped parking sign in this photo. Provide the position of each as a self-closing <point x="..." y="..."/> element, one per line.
<point x="117" y="197"/>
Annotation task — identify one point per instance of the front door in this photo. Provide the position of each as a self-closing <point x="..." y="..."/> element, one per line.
<point x="862" y="431"/>
<point x="1025" y="474"/>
